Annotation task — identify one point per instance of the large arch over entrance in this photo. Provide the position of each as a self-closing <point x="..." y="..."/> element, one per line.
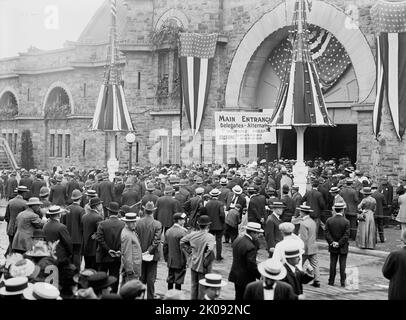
<point x="9" y="103"/>
<point x="58" y="90"/>
<point x="322" y="15"/>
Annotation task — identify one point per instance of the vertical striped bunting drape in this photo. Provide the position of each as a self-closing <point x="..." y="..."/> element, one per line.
<point x="196" y="56"/>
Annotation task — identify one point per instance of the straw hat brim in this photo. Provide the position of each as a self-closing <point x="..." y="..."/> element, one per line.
<point x="28" y="294"/>
<point x="3" y="291"/>
<point x="130" y="220"/>
<point x="206" y="284"/>
<point x="280" y="276"/>
<point x="255" y="230"/>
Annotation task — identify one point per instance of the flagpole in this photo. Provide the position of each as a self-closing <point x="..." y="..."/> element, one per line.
<point x="180" y="115"/>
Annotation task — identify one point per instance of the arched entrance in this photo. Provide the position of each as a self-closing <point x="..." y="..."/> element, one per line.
<point x="8" y="105"/>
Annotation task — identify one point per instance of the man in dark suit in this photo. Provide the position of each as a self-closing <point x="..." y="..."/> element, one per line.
<point x="350" y="196"/>
<point x="173" y="255"/>
<point x="73" y="221"/>
<point x="70" y="186"/>
<point x="315" y="200"/>
<point x="149" y="232"/>
<point x="387" y="190"/>
<point x="237" y="198"/>
<point x="225" y="193"/>
<point x="129" y="197"/>
<point x="272" y="233"/>
<point x="167" y="206"/>
<point x="244" y="268"/>
<point x="14" y="207"/>
<point x="90" y="221"/>
<point x="108" y="237"/>
<point x="337" y="233"/>
<point x="215" y="210"/>
<point x="27" y="181"/>
<point x="256" y="205"/>
<point x="54" y="231"/>
<point x="378" y="214"/>
<point x="105" y="190"/>
<point x="270" y="288"/>
<point x="37" y="184"/>
<point x="289" y="203"/>
<point x="192" y="207"/>
<point x="57" y="195"/>
<point x="149" y="195"/>
<point x="294" y="276"/>
<point x="394" y="269"/>
<point x="11" y="185"/>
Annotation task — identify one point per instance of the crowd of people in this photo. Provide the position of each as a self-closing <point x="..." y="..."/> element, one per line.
<point x="104" y="238"/>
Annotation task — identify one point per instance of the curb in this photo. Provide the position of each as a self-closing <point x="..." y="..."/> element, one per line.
<point x="351" y="249"/>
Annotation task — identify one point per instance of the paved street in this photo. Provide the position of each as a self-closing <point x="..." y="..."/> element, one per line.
<point x="371" y="284"/>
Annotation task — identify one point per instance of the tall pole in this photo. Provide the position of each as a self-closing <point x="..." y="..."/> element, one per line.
<point x="266" y="164"/>
<point x="131" y="156"/>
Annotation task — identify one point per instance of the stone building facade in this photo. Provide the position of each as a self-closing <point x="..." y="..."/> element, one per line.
<point x="53" y="93"/>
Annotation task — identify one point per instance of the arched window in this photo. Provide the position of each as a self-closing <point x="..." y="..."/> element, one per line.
<point x="58" y="104"/>
<point x="8" y="105"/>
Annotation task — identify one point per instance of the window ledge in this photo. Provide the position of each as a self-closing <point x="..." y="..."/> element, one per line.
<point x="165" y="113"/>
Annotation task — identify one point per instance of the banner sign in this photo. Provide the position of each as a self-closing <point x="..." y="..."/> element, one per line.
<point x="243" y="127"/>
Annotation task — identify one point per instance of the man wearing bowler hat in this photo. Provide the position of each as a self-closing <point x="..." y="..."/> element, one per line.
<point x="27" y="221"/>
<point x="14" y="207"/>
<point x="244" y="268"/>
<point x="131" y="252"/>
<point x="90" y="221"/>
<point x="73" y="221"/>
<point x="57" y="195"/>
<point x="54" y="231"/>
<point x="108" y="237"/>
<point x="272" y="233"/>
<point x="351" y="198"/>
<point x="270" y="287"/>
<point x="167" y="206"/>
<point x="200" y="244"/>
<point x="105" y="190"/>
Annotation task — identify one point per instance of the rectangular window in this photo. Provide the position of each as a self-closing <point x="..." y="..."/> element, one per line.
<point x="176" y="149"/>
<point x="164" y="149"/>
<point x="52" y="146"/>
<point x="28" y="94"/>
<point x="84" y="149"/>
<point x="139" y="81"/>
<point x="136" y="153"/>
<point x="15" y="143"/>
<point x="163" y="64"/>
<point x="10" y="140"/>
<point x="84" y="90"/>
<point x="5" y="136"/>
<point x="67" y="145"/>
<point x="59" y="147"/>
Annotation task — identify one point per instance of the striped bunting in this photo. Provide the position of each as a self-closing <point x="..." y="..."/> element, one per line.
<point x="390" y="24"/>
<point x="113" y="7"/>
<point x="196" y="63"/>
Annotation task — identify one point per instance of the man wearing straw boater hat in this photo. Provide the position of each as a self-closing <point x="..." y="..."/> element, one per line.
<point x="27" y="221"/>
<point x="73" y="221"/>
<point x="337" y="233"/>
<point x="201" y="245"/>
<point x="54" y="231"/>
<point x="149" y="231"/>
<point x="131" y="252"/>
<point x="108" y="237"/>
<point x="13" y="288"/>
<point x="244" y="268"/>
<point x="14" y="207"/>
<point x="270" y="287"/>
<point x="212" y="286"/>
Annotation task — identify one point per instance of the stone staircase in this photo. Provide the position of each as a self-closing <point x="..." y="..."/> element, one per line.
<point x="7" y="160"/>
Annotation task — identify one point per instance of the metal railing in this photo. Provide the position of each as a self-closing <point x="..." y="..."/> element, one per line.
<point x="10" y="156"/>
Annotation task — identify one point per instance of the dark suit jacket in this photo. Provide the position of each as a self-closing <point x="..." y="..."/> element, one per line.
<point x="226" y="195"/>
<point x="215" y="210"/>
<point x="297" y="279"/>
<point x="256" y="208"/>
<point x="387" y="191"/>
<point x="380" y="204"/>
<point x="240" y="200"/>
<point x="338" y="230"/>
<point x="244" y="268"/>
<point x="70" y="186"/>
<point x="57" y="195"/>
<point x="11" y="185"/>
<point x="90" y="223"/>
<point x="173" y="255"/>
<point x="394" y="269"/>
<point x="54" y="231"/>
<point x="290" y="208"/>
<point x="351" y="199"/>
<point x="73" y="221"/>
<point x="14" y="207"/>
<point x="182" y="196"/>
<point x="272" y="233"/>
<point x="149" y="197"/>
<point x="118" y="192"/>
<point x="282" y="291"/>
<point x="36" y="187"/>
<point x="108" y="236"/>
<point x="105" y="190"/>
<point x="129" y="197"/>
<point x="315" y="200"/>
<point x="166" y="206"/>
<point x="149" y="232"/>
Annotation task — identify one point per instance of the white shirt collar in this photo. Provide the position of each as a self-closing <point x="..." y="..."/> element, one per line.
<point x="293" y="268"/>
<point x="248" y="236"/>
<point x="276" y="215"/>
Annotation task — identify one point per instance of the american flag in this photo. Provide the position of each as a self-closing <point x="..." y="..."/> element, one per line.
<point x="329" y="56"/>
<point x="389" y="20"/>
<point x="196" y="55"/>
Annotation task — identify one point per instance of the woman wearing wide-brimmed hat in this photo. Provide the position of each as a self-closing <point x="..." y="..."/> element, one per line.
<point x="366" y="232"/>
